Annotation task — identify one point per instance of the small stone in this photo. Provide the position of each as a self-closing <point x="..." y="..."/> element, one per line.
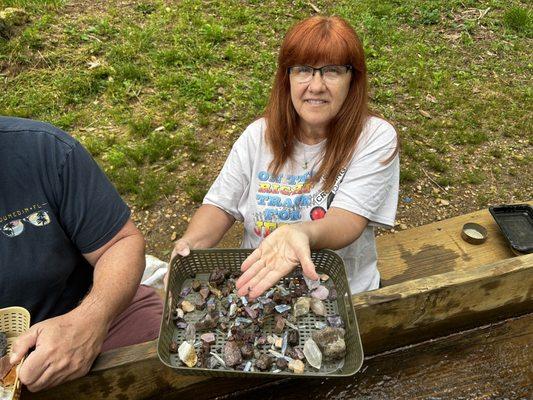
<point x="271" y="339"/>
<point x="232" y="354"/>
<point x="320" y="292"/>
<point x="281" y="363"/>
<point x="208" y="338"/>
<point x="181" y="324"/>
<point x="247" y="351"/>
<point x="204" y="292"/>
<point x="218" y="275"/>
<point x="331" y="342"/>
<point x="335" y="321"/>
<point x="301" y="307"/>
<point x="208" y="322"/>
<point x="174" y="236"/>
<point x="187" y="354"/>
<point x="293" y="337"/>
<point x="200" y="304"/>
<point x="261" y="340"/>
<point x="173" y="348"/>
<point x="279" y="325"/>
<point x="312" y="353"/>
<point x="264" y="362"/>
<point x="187" y="306"/>
<point x="332" y="294"/>
<point x="295" y="352"/>
<point x="196" y="285"/>
<point x="296" y="366"/>
<point x="251" y="312"/>
<point x="318" y="307"/>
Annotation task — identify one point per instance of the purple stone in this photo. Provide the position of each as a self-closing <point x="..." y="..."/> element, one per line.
<point x="251" y="312"/>
<point x="320" y="292"/>
<point x="181" y="325"/>
<point x="208" y="337"/>
<point x="335" y="321"/>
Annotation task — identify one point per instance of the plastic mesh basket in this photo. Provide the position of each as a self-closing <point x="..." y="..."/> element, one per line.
<point x="14" y="321"/>
<point x="201" y="262"/>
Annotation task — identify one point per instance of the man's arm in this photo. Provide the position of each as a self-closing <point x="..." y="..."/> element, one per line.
<point x="66" y="346"/>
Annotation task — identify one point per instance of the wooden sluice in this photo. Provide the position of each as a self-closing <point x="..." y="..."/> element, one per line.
<point x="452" y="318"/>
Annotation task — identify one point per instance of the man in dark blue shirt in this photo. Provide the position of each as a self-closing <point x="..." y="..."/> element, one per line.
<point x="69" y="251"/>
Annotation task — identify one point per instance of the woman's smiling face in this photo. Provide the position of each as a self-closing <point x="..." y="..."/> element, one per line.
<point x="317" y="102"/>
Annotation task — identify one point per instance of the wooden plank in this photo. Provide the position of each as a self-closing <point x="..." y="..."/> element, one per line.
<point x="390" y="317"/>
<point x="437" y="305"/>
<point x="437" y="248"/>
<point x="493" y="362"/>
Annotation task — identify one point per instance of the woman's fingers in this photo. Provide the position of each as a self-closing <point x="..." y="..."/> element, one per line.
<point x="251" y="259"/>
<point x="181" y="248"/>
<point x="308" y="267"/>
<point x="248" y="275"/>
<point x="259" y="286"/>
<point x="251" y="281"/>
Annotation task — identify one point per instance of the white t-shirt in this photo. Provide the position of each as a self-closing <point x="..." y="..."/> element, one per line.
<point x="246" y="190"/>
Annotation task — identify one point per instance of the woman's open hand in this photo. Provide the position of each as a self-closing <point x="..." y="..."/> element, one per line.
<point x="277" y="255"/>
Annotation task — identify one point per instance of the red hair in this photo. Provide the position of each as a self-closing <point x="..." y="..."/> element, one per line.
<point x="333" y="41"/>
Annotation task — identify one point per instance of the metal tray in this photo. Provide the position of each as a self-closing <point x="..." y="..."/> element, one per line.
<point x="516" y="224"/>
<point x="328" y="262"/>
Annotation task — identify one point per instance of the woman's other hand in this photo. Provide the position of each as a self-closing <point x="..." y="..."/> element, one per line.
<point x="279" y="253"/>
<point x="182" y="248"/>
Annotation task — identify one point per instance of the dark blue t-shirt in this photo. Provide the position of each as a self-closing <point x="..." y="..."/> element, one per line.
<point x="55" y="205"/>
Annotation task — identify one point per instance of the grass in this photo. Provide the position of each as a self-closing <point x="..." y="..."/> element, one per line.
<point x="157" y="82"/>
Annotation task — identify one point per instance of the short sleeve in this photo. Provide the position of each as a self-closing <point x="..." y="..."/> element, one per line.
<point x="233" y="181"/>
<point x="371" y="184"/>
<point x="90" y="209"/>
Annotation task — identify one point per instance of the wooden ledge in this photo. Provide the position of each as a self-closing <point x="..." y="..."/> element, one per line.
<point x="437" y="248"/>
<point x="438" y="305"/>
<point x="391" y="317"/>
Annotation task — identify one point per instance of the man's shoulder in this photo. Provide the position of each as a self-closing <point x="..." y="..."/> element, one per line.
<point x="35" y="131"/>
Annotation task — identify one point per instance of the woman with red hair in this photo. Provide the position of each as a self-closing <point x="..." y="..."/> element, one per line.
<point x="318" y="171"/>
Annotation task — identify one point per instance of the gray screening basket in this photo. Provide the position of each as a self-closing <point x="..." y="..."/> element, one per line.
<point x="201" y="262"/>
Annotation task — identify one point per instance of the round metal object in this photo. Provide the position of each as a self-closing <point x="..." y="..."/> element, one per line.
<point x="474" y="233"/>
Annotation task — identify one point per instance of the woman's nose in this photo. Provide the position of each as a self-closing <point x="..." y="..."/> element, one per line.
<point x="317" y="83"/>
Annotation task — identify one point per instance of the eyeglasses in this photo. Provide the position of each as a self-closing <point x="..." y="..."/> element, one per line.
<point x="329" y="73"/>
<point x="15" y="227"/>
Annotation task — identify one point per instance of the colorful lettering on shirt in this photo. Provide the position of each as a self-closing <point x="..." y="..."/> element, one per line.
<point x="281" y="199"/>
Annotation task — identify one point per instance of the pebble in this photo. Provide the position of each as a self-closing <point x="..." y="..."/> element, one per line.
<point x="296" y="366"/>
<point x="187" y="306"/>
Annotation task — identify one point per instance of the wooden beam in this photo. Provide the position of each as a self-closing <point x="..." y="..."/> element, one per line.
<point x="437" y="248"/>
<point x="437" y="305"/>
<point x="388" y="318"/>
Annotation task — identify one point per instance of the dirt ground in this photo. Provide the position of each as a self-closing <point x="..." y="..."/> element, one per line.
<point x="419" y="203"/>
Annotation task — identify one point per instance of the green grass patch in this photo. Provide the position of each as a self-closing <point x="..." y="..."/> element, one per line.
<point x="474" y="177"/>
<point x="519" y="19"/>
<point x="195" y="187"/>
<point x="455" y="79"/>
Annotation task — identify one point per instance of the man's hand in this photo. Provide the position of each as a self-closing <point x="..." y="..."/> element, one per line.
<point x="278" y="254"/>
<point x="65" y="348"/>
